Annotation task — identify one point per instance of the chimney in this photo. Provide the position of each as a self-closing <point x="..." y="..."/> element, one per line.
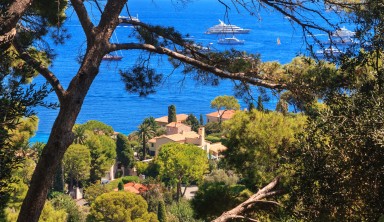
<point x="201" y="133"/>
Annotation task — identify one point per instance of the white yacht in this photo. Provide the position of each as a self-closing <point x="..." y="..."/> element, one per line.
<point x="223" y="28"/>
<point x="230" y="41"/>
<point x="328" y="52"/>
<point x="343" y="32"/>
<point x="124" y="20"/>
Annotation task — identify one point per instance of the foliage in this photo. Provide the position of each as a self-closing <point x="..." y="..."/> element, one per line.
<point x="120" y="206"/>
<point x="282" y="107"/>
<point x="212" y="199"/>
<point x="338" y="161"/>
<point x="103" y="155"/>
<point x="128" y="179"/>
<point x="76" y="163"/>
<point x="161" y="212"/>
<point x="224" y="103"/>
<point x="120" y="186"/>
<point x="255" y="141"/>
<point x="124" y="151"/>
<point x="62" y="201"/>
<point x="221" y="176"/>
<point x="193" y="122"/>
<point x="181" y="163"/>
<point x="50" y="214"/>
<point x="95" y="190"/>
<point x="180" y="211"/>
<point x="212" y="127"/>
<point x="172" y="114"/>
<point x="150" y="169"/>
<point x="260" y="105"/>
<point x="213" y="139"/>
<point x="154" y="196"/>
<point x="98" y="127"/>
<point x="58" y="182"/>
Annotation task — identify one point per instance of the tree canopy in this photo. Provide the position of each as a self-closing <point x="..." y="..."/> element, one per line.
<point x="182" y="163"/>
<point x="120" y="206"/>
<point x="77" y="164"/>
<point x="223" y="104"/>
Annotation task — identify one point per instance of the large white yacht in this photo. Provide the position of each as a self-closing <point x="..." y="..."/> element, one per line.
<point x="343" y="32"/>
<point x="223" y="28"/>
<point x="230" y="41"/>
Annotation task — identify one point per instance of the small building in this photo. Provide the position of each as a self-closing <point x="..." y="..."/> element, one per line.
<point x="163" y="121"/>
<point x="177" y="128"/>
<point x="215" y="116"/>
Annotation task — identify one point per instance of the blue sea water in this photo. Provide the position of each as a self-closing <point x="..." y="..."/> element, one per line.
<point x="107" y="101"/>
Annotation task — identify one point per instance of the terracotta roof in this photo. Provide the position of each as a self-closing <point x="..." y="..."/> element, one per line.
<point x="179" y="118"/>
<point x="227" y="114"/>
<point x="217" y="147"/>
<point x="136" y="188"/>
<point x="176" y="137"/>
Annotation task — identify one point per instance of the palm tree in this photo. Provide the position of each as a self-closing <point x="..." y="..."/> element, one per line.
<point x="79" y="133"/>
<point x="147" y="130"/>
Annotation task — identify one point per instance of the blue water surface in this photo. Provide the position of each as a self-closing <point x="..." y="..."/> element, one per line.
<point x="107" y="101"/>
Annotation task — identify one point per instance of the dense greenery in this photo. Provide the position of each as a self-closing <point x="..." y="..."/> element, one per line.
<point x="120" y="206"/>
<point x="193" y="122"/>
<point x="255" y="141"/>
<point x="147" y="130"/>
<point x="124" y="151"/>
<point x="181" y="163"/>
<point x="338" y="161"/>
<point x="223" y="104"/>
<point x="77" y="164"/>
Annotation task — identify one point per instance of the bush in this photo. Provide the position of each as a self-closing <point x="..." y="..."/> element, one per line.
<point x="128" y="179"/>
<point x="213" y="139"/>
<point x="212" y="127"/>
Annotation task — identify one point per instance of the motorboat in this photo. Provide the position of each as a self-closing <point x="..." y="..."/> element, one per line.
<point x="125" y="20"/>
<point x="328" y="52"/>
<point x="230" y="41"/>
<point x="109" y="57"/>
<point x="343" y="33"/>
<point x="223" y="28"/>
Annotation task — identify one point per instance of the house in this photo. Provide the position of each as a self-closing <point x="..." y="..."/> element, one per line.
<point x="177" y="128"/>
<point x="190" y="137"/>
<point x="215" y="116"/>
<point x="163" y="121"/>
<point x="215" y="149"/>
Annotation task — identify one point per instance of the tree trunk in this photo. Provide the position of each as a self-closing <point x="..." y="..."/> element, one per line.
<point x="9" y="20"/>
<point x="60" y="138"/>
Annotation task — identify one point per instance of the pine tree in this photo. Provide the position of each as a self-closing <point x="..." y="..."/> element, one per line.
<point x="172" y="114"/>
<point x="161" y="213"/>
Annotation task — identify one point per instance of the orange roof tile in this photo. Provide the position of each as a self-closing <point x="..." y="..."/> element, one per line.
<point x="227" y="114"/>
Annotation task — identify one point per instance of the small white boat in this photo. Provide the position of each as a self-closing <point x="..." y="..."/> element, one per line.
<point x="109" y="57"/>
<point x="230" y="41"/>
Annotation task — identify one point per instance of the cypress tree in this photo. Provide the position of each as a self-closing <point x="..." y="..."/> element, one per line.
<point x="260" y="106"/>
<point x="161" y="213"/>
<point x="58" y="182"/>
<point x="171" y="114"/>
<point x="251" y="107"/>
<point x="120" y="186"/>
<point x="201" y="120"/>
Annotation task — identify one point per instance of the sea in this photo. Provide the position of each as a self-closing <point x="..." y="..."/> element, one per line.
<point x="272" y="35"/>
